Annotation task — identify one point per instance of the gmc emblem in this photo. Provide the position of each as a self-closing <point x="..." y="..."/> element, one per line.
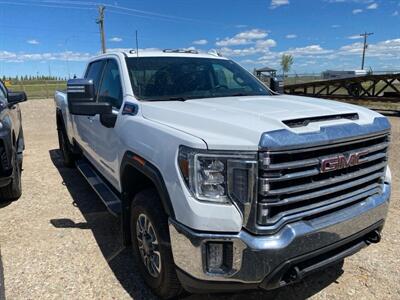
<point x="341" y="162"/>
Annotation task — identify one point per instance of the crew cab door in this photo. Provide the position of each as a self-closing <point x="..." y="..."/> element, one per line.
<point x="83" y="125"/>
<point x="104" y="139"/>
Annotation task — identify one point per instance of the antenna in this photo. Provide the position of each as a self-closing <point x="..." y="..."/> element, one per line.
<point x="137" y="45"/>
<point x="137" y="56"/>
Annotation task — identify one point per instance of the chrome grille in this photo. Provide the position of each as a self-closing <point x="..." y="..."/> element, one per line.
<point x="292" y="187"/>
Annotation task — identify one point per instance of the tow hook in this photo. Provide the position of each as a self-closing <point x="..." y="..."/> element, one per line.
<point x="373" y="237"/>
<point x="294" y="275"/>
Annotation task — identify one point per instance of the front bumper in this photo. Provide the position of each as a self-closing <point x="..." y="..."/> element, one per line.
<point x="267" y="261"/>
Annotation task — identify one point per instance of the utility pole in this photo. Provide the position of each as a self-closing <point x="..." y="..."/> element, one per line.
<point x="100" y="21"/>
<point x="365" y="35"/>
<point x="49" y="70"/>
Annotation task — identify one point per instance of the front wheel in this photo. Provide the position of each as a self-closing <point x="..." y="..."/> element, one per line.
<point x="151" y="244"/>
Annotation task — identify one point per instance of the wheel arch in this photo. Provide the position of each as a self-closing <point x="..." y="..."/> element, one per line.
<point x="138" y="174"/>
<point x="59" y="119"/>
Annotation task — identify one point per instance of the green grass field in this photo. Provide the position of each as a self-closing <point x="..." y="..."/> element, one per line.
<point x="36" y="89"/>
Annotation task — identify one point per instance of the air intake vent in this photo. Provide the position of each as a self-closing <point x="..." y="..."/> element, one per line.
<point x="305" y="121"/>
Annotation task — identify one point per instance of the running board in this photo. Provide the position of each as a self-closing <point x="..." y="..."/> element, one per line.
<point x="109" y="198"/>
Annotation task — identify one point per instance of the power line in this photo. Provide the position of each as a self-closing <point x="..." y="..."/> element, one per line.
<point x="46" y="5"/>
<point x="90" y="5"/>
<point x="365" y="35"/>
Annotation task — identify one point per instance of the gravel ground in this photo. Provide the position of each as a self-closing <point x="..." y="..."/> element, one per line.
<point x="58" y="241"/>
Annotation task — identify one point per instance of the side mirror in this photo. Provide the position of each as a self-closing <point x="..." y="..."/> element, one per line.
<point x="82" y="98"/>
<point x="16" y="97"/>
<point x="276" y="85"/>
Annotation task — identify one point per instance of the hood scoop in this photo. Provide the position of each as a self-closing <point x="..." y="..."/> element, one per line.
<point x="303" y="122"/>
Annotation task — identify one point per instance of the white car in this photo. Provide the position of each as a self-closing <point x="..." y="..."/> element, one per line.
<point x="220" y="183"/>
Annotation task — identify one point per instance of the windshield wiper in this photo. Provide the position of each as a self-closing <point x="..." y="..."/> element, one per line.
<point x="167" y="99"/>
<point x="235" y="95"/>
<point x="177" y="99"/>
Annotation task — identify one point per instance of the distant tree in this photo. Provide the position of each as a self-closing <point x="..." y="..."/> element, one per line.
<point x="4" y="78"/>
<point x="286" y="63"/>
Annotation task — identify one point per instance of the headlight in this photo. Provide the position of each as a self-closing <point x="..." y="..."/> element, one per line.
<point x="218" y="176"/>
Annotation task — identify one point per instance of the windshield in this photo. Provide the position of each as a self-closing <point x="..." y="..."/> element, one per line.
<point x="182" y="78"/>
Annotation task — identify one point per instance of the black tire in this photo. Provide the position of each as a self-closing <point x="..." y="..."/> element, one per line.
<point x="166" y="285"/>
<point x="65" y="148"/>
<point x="13" y="190"/>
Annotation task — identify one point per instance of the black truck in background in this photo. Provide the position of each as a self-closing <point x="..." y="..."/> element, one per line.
<point x="11" y="144"/>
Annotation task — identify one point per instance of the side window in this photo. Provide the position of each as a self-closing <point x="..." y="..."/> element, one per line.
<point x="95" y="71"/>
<point x="111" y="88"/>
<point x="3" y="95"/>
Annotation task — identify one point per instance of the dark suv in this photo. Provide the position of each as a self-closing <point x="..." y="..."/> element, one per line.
<point x="11" y="144"/>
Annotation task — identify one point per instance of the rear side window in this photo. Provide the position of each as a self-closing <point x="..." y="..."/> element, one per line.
<point x="94" y="72"/>
<point x="111" y="88"/>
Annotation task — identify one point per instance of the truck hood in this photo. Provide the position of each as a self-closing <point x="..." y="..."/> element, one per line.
<point x="238" y="122"/>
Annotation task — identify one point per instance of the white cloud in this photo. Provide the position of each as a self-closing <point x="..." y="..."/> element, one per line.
<point x="200" y="42"/>
<point x="116" y="39"/>
<point x="57" y="56"/>
<point x="350" y="1"/>
<point x="335" y="26"/>
<point x="291" y="36"/>
<point x="308" y="50"/>
<point x="357" y="11"/>
<point x="33" y="42"/>
<point x="253" y="34"/>
<point x="277" y="3"/>
<point x="5" y="55"/>
<point x="354" y="37"/>
<point x="395" y="13"/>
<point x="372" y="6"/>
<point x="315" y="58"/>
<point x="232" y="42"/>
<point x="258" y="49"/>
<point x="243" y="38"/>
<point x="381" y="50"/>
<point x="269" y="43"/>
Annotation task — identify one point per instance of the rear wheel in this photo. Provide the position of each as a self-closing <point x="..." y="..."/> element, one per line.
<point x="151" y="244"/>
<point x="13" y="190"/>
<point x="65" y="148"/>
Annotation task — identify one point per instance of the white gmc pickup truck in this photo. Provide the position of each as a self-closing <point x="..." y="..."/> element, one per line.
<point x="220" y="183"/>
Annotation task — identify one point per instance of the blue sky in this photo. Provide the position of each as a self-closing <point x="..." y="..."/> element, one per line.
<point x="58" y="36"/>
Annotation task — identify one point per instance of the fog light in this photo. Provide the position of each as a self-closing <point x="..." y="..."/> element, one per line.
<point x="215" y="256"/>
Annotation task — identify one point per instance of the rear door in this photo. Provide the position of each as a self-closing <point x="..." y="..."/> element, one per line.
<point x="84" y="124"/>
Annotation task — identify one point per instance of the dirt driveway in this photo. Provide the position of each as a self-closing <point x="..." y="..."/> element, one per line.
<point x="58" y="241"/>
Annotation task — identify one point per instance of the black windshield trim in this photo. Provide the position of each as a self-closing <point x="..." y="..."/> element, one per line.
<point x="134" y="63"/>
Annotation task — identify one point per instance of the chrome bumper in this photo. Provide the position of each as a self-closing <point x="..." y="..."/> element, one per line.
<point x="256" y="258"/>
